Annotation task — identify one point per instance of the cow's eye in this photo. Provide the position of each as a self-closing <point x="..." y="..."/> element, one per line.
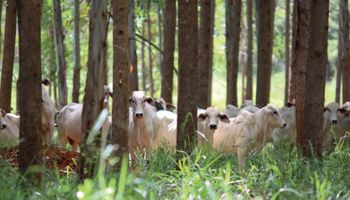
<point x="275" y="112"/>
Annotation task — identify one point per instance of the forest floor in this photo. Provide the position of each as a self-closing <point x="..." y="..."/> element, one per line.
<point x="54" y="158"/>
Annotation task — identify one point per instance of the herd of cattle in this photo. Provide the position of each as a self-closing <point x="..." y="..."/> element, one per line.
<point x="153" y="124"/>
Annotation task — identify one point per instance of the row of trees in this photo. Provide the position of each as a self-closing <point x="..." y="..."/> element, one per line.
<point x="306" y="76"/>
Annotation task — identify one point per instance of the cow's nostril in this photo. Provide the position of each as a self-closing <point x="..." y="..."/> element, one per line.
<point x="139" y="115"/>
<point x="213" y="126"/>
<point x="334" y="121"/>
<point x="284" y="124"/>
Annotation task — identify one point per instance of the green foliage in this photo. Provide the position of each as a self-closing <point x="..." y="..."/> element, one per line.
<point x="276" y="172"/>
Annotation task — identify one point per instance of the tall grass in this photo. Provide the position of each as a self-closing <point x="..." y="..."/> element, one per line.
<point x="276" y="172"/>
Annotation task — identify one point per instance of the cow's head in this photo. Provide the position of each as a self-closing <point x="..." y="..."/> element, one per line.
<point x="2" y="123"/>
<point x="273" y="116"/>
<point x="330" y="113"/>
<point x="138" y="101"/>
<point x="212" y="116"/>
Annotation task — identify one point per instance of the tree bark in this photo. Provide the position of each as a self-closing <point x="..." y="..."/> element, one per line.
<point x="205" y="38"/>
<point x="60" y="56"/>
<point x="249" y="71"/>
<point x="150" y="59"/>
<point x="169" y="48"/>
<point x="338" y="78"/>
<point x="120" y="77"/>
<point x="1" y="39"/>
<point x="93" y="99"/>
<point x="310" y="60"/>
<point x="76" y="76"/>
<point x="187" y="90"/>
<point x="344" y="38"/>
<point x="265" y="44"/>
<point x="233" y="29"/>
<point x="133" y="79"/>
<point x="292" y="68"/>
<point x="287" y="51"/>
<point x="160" y="31"/>
<point x="29" y="83"/>
<point x="212" y="24"/>
<point x="143" y="62"/>
<point x="8" y="56"/>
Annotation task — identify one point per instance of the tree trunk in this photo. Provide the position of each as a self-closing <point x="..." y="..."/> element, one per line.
<point x="287" y="51"/>
<point x="76" y="76"/>
<point x="204" y="52"/>
<point x="211" y="54"/>
<point x="133" y="79"/>
<point x="93" y="99"/>
<point x="187" y="91"/>
<point x="1" y="39"/>
<point x="60" y="56"/>
<point x="265" y="43"/>
<point x="143" y="62"/>
<point x="150" y="59"/>
<point x="292" y="68"/>
<point x="169" y="48"/>
<point x="344" y="39"/>
<point x="120" y="76"/>
<point x="160" y="31"/>
<point x="233" y="29"/>
<point x="339" y="65"/>
<point x="29" y="83"/>
<point x="105" y="54"/>
<point x="8" y="59"/>
<point x="249" y="71"/>
<point x="310" y="60"/>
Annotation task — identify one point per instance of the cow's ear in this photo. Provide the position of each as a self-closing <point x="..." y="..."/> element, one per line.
<point x="224" y="118"/>
<point x="289" y="104"/>
<point x="3" y="112"/>
<point x="46" y="82"/>
<point x="150" y="100"/>
<point x="201" y="117"/>
<point x="342" y="110"/>
<point x="170" y="107"/>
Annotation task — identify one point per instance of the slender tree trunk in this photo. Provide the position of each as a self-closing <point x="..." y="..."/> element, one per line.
<point x="287" y="51"/>
<point x="160" y="31"/>
<point x="120" y="76"/>
<point x="133" y="79"/>
<point x="211" y="50"/>
<point x="105" y="54"/>
<point x="93" y="99"/>
<point x="29" y="83"/>
<point x="249" y="71"/>
<point x="233" y="29"/>
<point x="60" y="56"/>
<point x="150" y="59"/>
<point x="292" y="69"/>
<point x="8" y="59"/>
<point x="265" y="44"/>
<point x="204" y="50"/>
<point x="339" y="65"/>
<point x="344" y="39"/>
<point x="0" y="28"/>
<point x="169" y="48"/>
<point x="143" y="62"/>
<point x="76" y="76"/>
<point x="310" y="60"/>
<point x="187" y="91"/>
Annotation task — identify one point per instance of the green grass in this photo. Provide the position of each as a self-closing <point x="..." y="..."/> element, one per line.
<point x="274" y="173"/>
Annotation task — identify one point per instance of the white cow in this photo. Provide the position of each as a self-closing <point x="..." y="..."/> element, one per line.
<point x="48" y="114"/>
<point x="9" y="128"/>
<point x="247" y="131"/>
<point x="69" y="122"/>
<point x="144" y="124"/>
<point x="343" y="126"/>
<point x="289" y="132"/>
<point x="231" y="111"/>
